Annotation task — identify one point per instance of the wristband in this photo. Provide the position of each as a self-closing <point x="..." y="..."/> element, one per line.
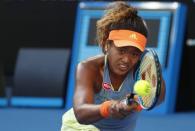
<point x="104" y="109"/>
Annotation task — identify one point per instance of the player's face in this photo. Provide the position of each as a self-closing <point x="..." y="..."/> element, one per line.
<point x="122" y="59"/>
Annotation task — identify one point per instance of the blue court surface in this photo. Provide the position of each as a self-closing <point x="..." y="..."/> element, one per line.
<point x="171" y="122"/>
<point x="27" y="119"/>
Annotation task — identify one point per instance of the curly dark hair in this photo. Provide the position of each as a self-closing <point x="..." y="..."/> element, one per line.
<point x="119" y="15"/>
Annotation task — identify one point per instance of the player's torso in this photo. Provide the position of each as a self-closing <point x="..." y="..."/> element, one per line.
<point x="104" y="91"/>
<point x="98" y="62"/>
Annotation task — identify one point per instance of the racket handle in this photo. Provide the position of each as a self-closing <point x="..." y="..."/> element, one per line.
<point x="130" y="99"/>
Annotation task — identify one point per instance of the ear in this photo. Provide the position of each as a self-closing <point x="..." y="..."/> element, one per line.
<point x="106" y="48"/>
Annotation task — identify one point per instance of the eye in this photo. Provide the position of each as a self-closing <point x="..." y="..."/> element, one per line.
<point x="135" y="54"/>
<point x="122" y="51"/>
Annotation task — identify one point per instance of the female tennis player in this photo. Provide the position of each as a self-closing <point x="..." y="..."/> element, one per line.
<point x="103" y="81"/>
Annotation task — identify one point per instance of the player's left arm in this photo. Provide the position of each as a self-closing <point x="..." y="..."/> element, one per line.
<point x="162" y="92"/>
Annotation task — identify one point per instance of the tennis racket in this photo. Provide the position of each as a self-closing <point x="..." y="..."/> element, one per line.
<point x="148" y="69"/>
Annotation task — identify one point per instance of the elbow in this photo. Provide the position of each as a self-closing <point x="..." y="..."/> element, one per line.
<point x="80" y="117"/>
<point x="80" y="120"/>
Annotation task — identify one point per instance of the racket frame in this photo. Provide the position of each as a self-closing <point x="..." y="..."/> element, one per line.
<point x="158" y="72"/>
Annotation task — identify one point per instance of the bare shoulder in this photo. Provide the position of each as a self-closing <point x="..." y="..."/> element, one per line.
<point x="89" y="73"/>
<point x="91" y="65"/>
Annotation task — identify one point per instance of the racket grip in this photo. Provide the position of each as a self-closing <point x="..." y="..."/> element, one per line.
<point x="130" y="99"/>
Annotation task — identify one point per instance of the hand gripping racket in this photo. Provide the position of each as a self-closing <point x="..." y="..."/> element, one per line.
<point x="148" y="69"/>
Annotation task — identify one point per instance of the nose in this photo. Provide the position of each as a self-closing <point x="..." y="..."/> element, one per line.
<point x="126" y="59"/>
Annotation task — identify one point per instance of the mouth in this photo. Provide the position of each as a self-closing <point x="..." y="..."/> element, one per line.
<point x="123" y="67"/>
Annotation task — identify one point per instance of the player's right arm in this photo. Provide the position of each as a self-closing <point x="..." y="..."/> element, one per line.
<point x="85" y="110"/>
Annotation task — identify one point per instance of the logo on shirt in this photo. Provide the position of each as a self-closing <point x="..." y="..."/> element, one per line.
<point x="106" y="86"/>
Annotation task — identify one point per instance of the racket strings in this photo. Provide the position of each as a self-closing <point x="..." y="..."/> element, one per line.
<point x="147" y="72"/>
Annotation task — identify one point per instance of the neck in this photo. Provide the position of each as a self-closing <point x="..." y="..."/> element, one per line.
<point x="116" y="80"/>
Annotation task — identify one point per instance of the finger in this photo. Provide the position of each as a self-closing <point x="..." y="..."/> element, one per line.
<point x="116" y="110"/>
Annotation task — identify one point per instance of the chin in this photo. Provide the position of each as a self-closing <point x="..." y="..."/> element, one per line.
<point x="122" y="72"/>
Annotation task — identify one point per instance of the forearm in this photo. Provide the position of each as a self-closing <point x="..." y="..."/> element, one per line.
<point x="87" y="113"/>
